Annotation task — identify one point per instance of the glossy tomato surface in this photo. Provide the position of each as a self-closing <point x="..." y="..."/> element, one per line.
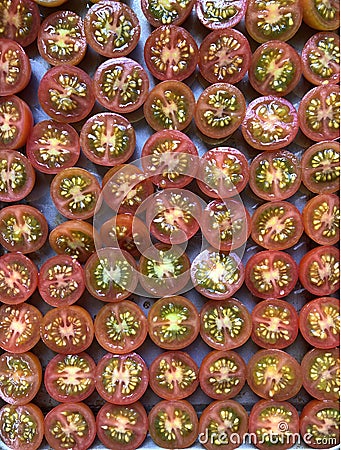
<point x="164" y="13"/>
<point x="15" y="122"/>
<point x="15" y="67"/>
<point x="321" y="16"/>
<point x="226" y="14"/>
<point x="17" y="176"/>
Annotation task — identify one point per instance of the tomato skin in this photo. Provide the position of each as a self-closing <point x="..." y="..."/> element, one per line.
<point x="50" y="3"/>
<point x="221" y="19"/>
<point x="319" y="270"/>
<point x="321" y="17"/>
<point x="17" y="176"/>
<point x="19" y="426"/>
<point x="138" y="426"/>
<point x="17" y="64"/>
<point x="318" y="322"/>
<point x="70" y="415"/>
<point x="159" y="14"/>
<point x="274" y="324"/>
<point x="16" y="113"/>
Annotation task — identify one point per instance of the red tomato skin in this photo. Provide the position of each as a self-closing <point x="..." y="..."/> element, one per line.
<point x="23" y="127"/>
<point x="7" y="88"/>
<point x="14" y="158"/>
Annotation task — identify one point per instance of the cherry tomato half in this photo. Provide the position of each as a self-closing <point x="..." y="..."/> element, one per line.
<point x="321" y="15"/>
<point x="15" y="122"/>
<point x="159" y="12"/>
<point x="17" y="176"/>
<point x="225" y="14"/>
<point x="15" y="67"/>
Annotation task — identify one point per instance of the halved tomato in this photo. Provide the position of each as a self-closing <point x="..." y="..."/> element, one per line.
<point x="225" y="324"/>
<point x="320" y="322"/>
<point x="274" y="324"/>
<point x="319" y="270"/>
<point x="222" y="374"/>
<point x="50" y="3"/>
<point x="321" y="15"/>
<point x="121" y="327"/>
<point x="173" y="322"/>
<point x="225" y="14"/>
<point x="52" y="146"/>
<point x="274" y="374"/>
<point x="15" y="67"/>
<point x="271" y="274"/>
<point x="121" y="379"/>
<point x="166" y="12"/>
<point x="17" y="176"/>
<point x="16" y="122"/>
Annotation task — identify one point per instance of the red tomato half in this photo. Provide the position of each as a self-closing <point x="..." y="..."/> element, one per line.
<point x="15" y="122"/>
<point x="321" y="16"/>
<point x="226" y="14"/>
<point x="15" y="67"/>
<point x="17" y="176"/>
<point x="165" y="13"/>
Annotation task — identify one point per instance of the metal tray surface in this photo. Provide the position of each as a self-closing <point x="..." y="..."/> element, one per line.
<point x="40" y="198"/>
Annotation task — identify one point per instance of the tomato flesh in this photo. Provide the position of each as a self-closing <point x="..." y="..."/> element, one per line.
<point x="17" y="177"/>
<point x="225" y="14"/>
<point x="321" y="15"/>
<point x="15" y="122"/>
<point x="15" y="67"/>
<point x="166" y="12"/>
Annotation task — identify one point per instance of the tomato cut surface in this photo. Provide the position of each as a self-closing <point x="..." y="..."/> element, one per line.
<point x="274" y="324"/>
<point x="166" y="12"/>
<point x="20" y="377"/>
<point x="225" y="325"/>
<point x="15" y="67"/>
<point x="17" y="177"/>
<point x="226" y="14"/>
<point x="67" y="330"/>
<point x="320" y="322"/>
<point x="121" y="379"/>
<point x="15" y="122"/>
<point x="121" y="327"/>
<point x="220" y="110"/>
<point x="173" y="322"/>
<point x="222" y="374"/>
<point x="122" y="426"/>
<point x="271" y="274"/>
<point x="319" y="270"/>
<point x="274" y="374"/>
<point x="174" y="375"/>
<point x="270" y="123"/>
<point x="321" y="15"/>
<point x="121" y="85"/>
<point x="66" y="94"/>
<point x="61" y="38"/>
<point x="319" y="113"/>
<point x="22" y="229"/>
<point x="108" y="139"/>
<point x="70" y="378"/>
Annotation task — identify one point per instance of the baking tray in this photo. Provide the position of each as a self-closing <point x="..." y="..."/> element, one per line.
<point x="40" y="198"/>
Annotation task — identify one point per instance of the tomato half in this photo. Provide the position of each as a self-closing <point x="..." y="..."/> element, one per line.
<point x="274" y="424"/>
<point x="271" y="274"/>
<point x="19" y="20"/>
<point x="270" y="123"/>
<point x="173" y="375"/>
<point x="321" y="58"/>
<point x="321" y="15"/>
<point x="226" y="224"/>
<point x="67" y="330"/>
<point x="225" y="14"/>
<point x="170" y="158"/>
<point x="171" y="53"/>
<point x="121" y="379"/>
<point x="275" y="69"/>
<point x="66" y="93"/>
<point x="319" y="270"/>
<point x="319" y="113"/>
<point x="276" y="225"/>
<point x="173" y="322"/>
<point x="267" y="20"/>
<point x="164" y="270"/>
<point x="274" y="324"/>
<point x="224" y="56"/>
<point x="121" y="327"/>
<point x="274" y="374"/>
<point x="122" y="426"/>
<point x="15" y="67"/>
<point x="321" y="218"/>
<point x="321" y="373"/>
<point x="223" y="172"/>
<point x="61" y="38"/>
<point x="50" y="3"/>
<point x="70" y="426"/>
<point x="121" y="85"/>
<point x="70" y="378"/>
<point x="225" y="325"/>
<point x="17" y="176"/>
<point x="21" y="427"/>
<point x="15" y="122"/>
<point x="22" y="229"/>
<point x="61" y="281"/>
<point x="169" y="105"/>
<point x="223" y="424"/>
<point x="52" y="146"/>
<point x="220" y="110"/>
<point x="112" y="29"/>
<point x="320" y="322"/>
<point x="108" y="139"/>
<point x="320" y="424"/>
<point x="321" y="167"/>
<point x="19" y="327"/>
<point x="74" y="238"/>
<point x="217" y="275"/>
<point x="173" y="424"/>
<point x="110" y="274"/>
<point x="166" y="12"/>
<point x="20" y="377"/>
<point x="222" y="374"/>
<point x="75" y="193"/>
